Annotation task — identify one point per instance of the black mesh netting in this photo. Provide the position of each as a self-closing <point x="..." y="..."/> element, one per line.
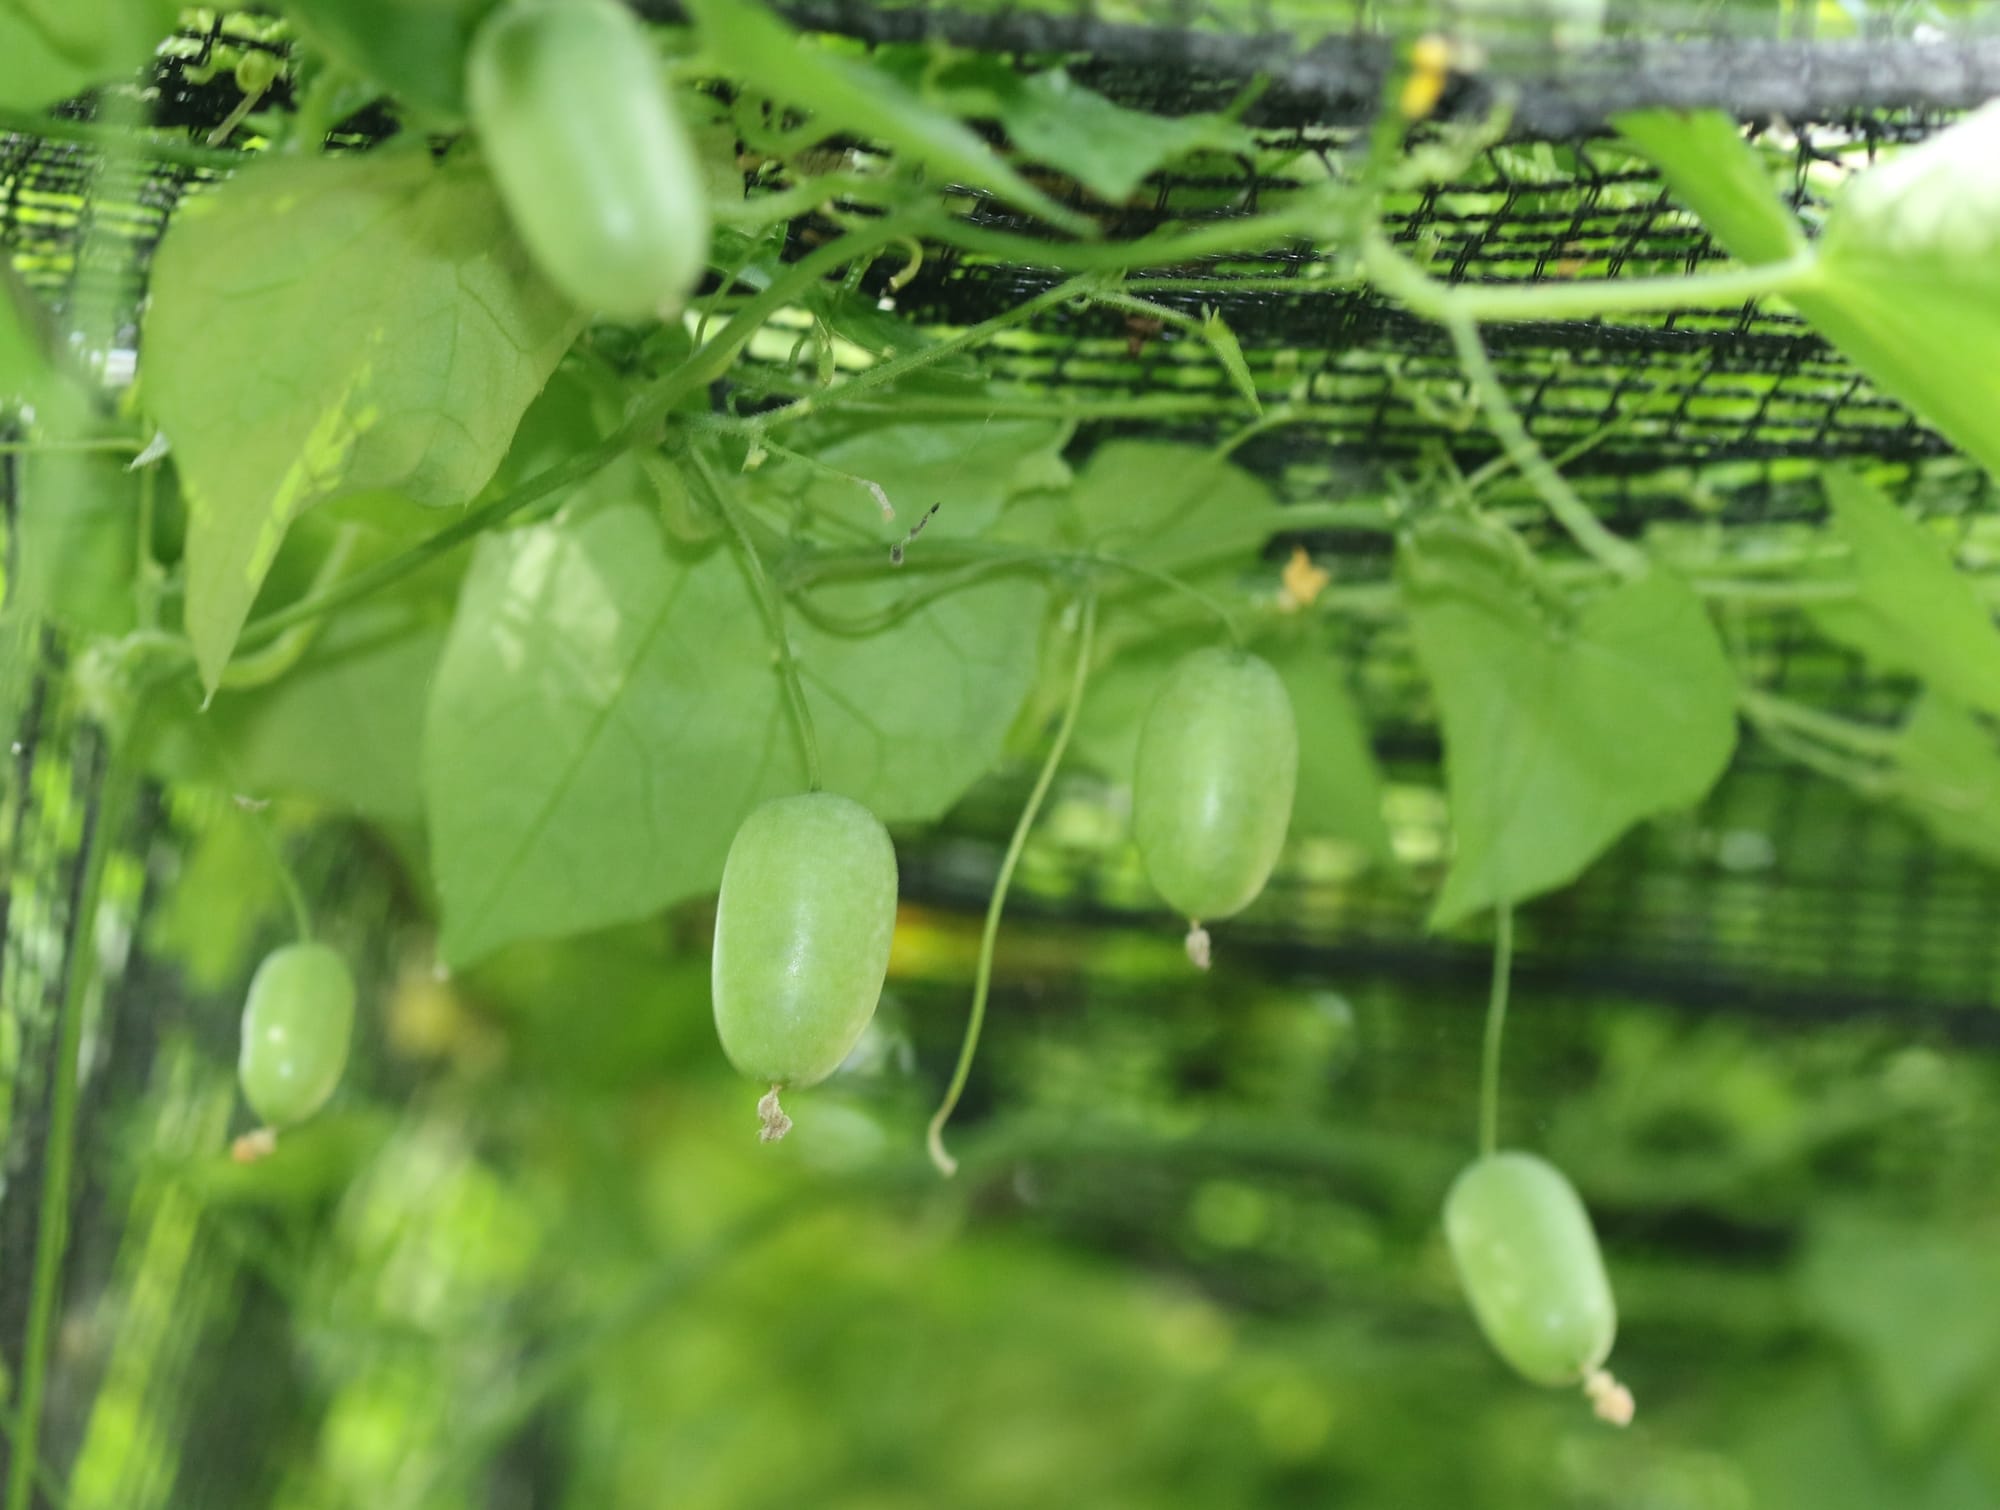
<point x="1785" y="896"/>
<point x="1783" y="889"/>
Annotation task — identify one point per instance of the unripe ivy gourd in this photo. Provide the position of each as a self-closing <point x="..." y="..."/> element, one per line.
<point x="802" y="932"/>
<point x="296" y="1025"/>
<point x="1212" y="792"/>
<point x="1528" y="1260"/>
<point x="598" y="173"/>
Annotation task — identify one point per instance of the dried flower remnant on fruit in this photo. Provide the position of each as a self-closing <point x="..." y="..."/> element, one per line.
<point x="253" y="1146"/>
<point x="1610" y="1400"/>
<point x="776" y="1123"/>
<point x="1302" y="582"/>
<point x="1198" y="951"/>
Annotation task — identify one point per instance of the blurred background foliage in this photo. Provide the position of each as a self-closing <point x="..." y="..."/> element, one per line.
<point x="536" y="1256"/>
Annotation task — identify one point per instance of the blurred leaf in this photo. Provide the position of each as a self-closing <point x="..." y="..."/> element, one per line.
<point x="345" y="724"/>
<point x="222" y="896"/>
<point x="78" y="539"/>
<point x="413" y="49"/>
<point x="1562" y="728"/>
<point x="846" y="96"/>
<point x="1154" y="499"/>
<point x="321" y="326"/>
<point x="1914" y="610"/>
<point x="1107" y="148"/>
<point x="586" y="661"/>
<point x="1950" y="761"/>
<point x="1810" y="1446"/>
<point x="1228" y="351"/>
<point x="1917" y="1307"/>
<point x="52" y="49"/>
<point x="1709" y="165"/>
<point x="970" y="467"/>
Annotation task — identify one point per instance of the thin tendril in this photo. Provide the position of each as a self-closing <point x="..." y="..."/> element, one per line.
<point x="774" y="616"/>
<point x="1496" y="1028"/>
<point x="983" y="978"/>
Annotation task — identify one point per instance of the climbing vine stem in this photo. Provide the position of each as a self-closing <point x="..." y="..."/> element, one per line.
<point x="1496" y="1029"/>
<point x="102" y="823"/>
<point x="983" y="971"/>
<point x="773" y="609"/>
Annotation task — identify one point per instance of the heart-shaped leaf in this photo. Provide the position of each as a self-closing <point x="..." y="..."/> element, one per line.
<point x="1562" y="727"/>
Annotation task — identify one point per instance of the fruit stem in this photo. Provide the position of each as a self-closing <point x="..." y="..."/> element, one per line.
<point x="1609" y="1400"/>
<point x="776" y="1123"/>
<point x="774" y="616"/>
<point x="1496" y="1028"/>
<point x="983" y="976"/>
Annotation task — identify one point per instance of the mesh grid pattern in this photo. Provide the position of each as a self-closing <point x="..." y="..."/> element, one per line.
<point x="1741" y="402"/>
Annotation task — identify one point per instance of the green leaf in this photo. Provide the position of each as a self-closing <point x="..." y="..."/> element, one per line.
<point x="1907" y="283"/>
<point x="847" y="96"/>
<point x="345" y="725"/>
<point x="77" y="539"/>
<point x="1914" y="611"/>
<point x="1717" y="173"/>
<point x="1917" y="1309"/>
<point x="1103" y="146"/>
<point x="413" y="49"/>
<point x="1563" y="726"/>
<point x="1229" y="351"/>
<point x="28" y="379"/>
<point x="1909" y="280"/>
<point x="322" y="326"/>
<point x="1950" y="775"/>
<point x="608" y="710"/>
<point x="1157" y="500"/>
<point x="53" y="49"/>
<point x="969" y="467"/>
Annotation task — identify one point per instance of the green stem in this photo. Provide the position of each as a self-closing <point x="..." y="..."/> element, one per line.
<point x="983" y="975"/>
<point x="100" y="837"/>
<point x="1772" y="594"/>
<point x="700" y="369"/>
<point x="1309" y="217"/>
<point x="774" y="614"/>
<point x="1496" y="1029"/>
<point x="1570" y="511"/>
<point x="1591" y="299"/>
<point x="372" y="579"/>
<point x="911" y="361"/>
<point x="272" y="660"/>
<point x="713" y="359"/>
<point x="55" y="128"/>
<point x="1762" y="708"/>
<point x="111" y="443"/>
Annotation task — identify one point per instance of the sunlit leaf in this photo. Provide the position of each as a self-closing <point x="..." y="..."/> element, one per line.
<point x="608" y="711"/>
<point x="1913" y="610"/>
<point x="320" y="326"/>
<point x="1562" y="728"/>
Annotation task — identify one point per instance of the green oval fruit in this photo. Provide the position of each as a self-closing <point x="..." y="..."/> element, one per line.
<point x="296" y="1025"/>
<point x="598" y="173"/>
<point x="802" y="931"/>
<point x="1528" y="1261"/>
<point x="1212" y="793"/>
